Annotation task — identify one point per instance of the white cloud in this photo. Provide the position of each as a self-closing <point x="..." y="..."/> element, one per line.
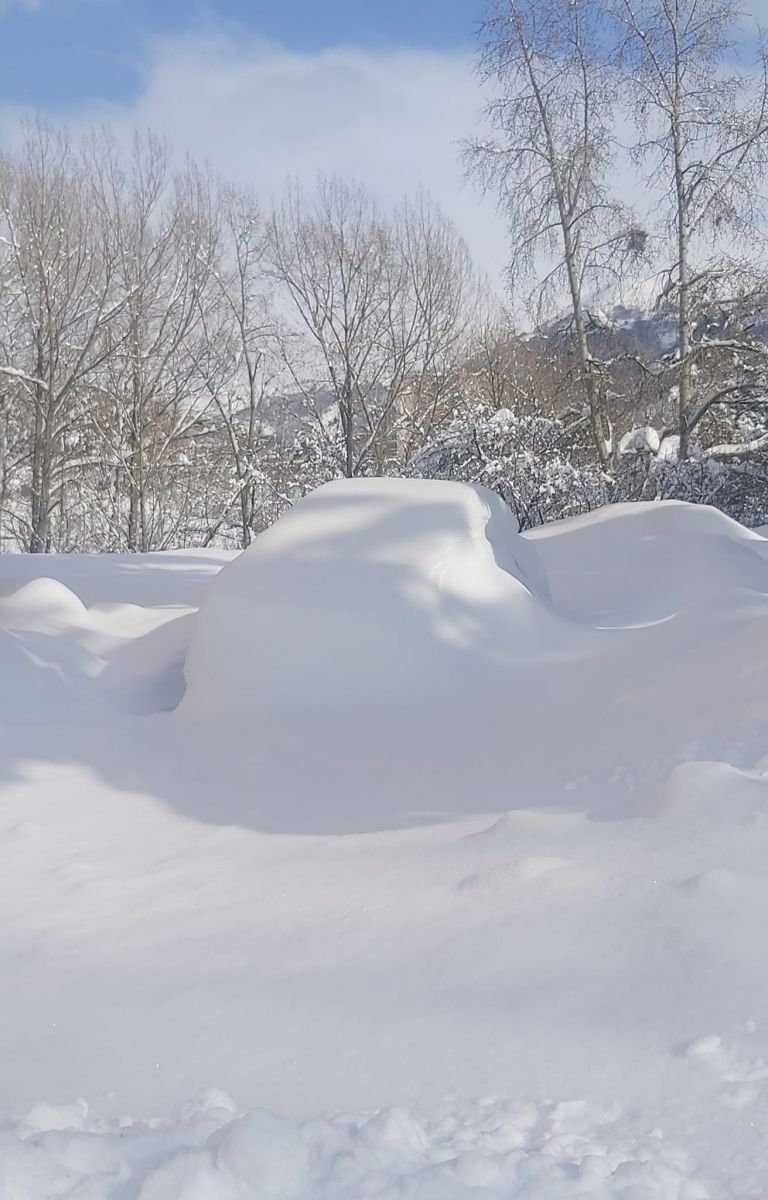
<point x="391" y="120"/>
<point x="258" y="112"/>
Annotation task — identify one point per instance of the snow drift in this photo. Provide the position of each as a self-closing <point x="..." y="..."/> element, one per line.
<point x="446" y="812"/>
<point x="634" y="564"/>
<point x="367" y="589"/>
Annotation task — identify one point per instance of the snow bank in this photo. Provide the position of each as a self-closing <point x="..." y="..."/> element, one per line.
<point x="527" y="866"/>
<point x="366" y="589"/>
<point x="629" y="564"/>
<point x="150" y="580"/>
<point x="488" y="1150"/>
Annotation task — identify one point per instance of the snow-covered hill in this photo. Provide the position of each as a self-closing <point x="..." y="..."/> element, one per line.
<point x="648" y="330"/>
<point x="456" y="833"/>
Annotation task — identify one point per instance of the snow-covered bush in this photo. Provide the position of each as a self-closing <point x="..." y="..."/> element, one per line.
<point x="529" y="460"/>
<point x="649" y="468"/>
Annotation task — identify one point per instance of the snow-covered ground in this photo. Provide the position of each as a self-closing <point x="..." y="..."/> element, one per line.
<point x="442" y="875"/>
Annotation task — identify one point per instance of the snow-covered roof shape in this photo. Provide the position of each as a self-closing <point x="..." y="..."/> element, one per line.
<point x="366" y="587"/>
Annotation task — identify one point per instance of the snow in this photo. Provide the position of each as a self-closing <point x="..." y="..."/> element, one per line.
<point x="209" y="1151"/>
<point x="669" y="448"/>
<point x="344" y="601"/>
<point x="484" y="918"/>
<point x="643" y="440"/>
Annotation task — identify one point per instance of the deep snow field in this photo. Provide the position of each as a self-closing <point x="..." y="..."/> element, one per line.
<point x="401" y="856"/>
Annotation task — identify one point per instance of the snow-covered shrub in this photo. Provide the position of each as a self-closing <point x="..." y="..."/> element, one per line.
<point x="644" y="440"/>
<point x="737" y="488"/>
<point x="528" y="460"/>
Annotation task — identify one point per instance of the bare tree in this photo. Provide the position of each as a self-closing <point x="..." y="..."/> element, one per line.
<point x="333" y="256"/>
<point x="437" y="297"/>
<point x="163" y="229"/>
<point x="239" y="356"/>
<point x="385" y="302"/>
<point x="704" y="145"/>
<point x="550" y="162"/>
<point x="62" y="305"/>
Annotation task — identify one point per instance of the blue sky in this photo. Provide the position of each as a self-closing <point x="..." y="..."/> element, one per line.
<point x="380" y="91"/>
<point x="64" y="53"/>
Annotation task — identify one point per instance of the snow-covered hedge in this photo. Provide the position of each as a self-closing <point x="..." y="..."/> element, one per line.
<point x="649" y="468"/>
<point x="529" y="460"/>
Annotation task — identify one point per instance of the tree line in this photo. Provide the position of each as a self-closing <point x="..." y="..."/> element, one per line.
<point x="173" y="359"/>
<point x="179" y="363"/>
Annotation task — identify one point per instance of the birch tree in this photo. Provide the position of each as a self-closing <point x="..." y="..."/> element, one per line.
<point x="703" y="146"/>
<point x="550" y="160"/>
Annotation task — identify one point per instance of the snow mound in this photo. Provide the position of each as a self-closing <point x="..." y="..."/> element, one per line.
<point x="41" y="605"/>
<point x="639" y="563"/>
<point x="62" y="656"/>
<point x="365" y="588"/>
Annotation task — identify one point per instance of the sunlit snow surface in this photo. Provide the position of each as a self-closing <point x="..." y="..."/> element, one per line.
<point x="449" y="867"/>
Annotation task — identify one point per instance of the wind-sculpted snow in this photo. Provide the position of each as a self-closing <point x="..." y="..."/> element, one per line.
<point x="634" y="564"/>
<point x="444" y="812"/>
<point x="65" y="658"/>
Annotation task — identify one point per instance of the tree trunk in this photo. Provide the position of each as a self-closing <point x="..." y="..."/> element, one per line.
<point x="684" y="299"/>
<point x="346" y="413"/>
<point x="684" y="396"/>
<point x="590" y="381"/>
<point x="40" y="497"/>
